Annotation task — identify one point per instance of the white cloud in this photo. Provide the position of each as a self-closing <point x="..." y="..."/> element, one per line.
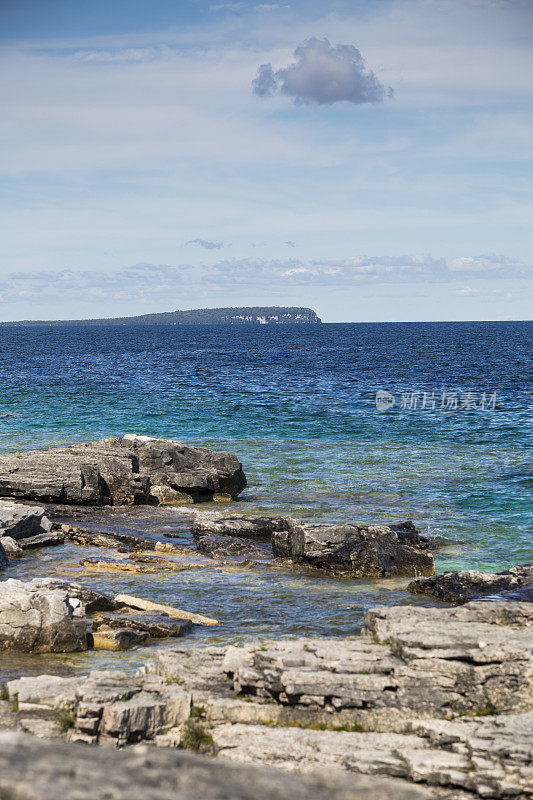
<point x="322" y="75"/>
<point x="206" y="244"/>
<point x="159" y="281"/>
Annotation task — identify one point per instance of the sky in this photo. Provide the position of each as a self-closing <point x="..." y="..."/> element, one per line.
<point x="371" y="159"/>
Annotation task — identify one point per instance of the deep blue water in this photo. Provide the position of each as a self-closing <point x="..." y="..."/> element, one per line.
<point x="297" y="405"/>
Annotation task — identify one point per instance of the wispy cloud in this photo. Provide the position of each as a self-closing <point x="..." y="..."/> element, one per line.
<point x="366" y="269"/>
<point x="130" y="289"/>
<point x="323" y="75"/>
<point x="206" y="244"/>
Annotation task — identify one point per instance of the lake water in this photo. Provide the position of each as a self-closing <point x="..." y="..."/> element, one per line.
<point x="297" y="405"/>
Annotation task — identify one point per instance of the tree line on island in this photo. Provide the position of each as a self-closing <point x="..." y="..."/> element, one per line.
<point x="248" y="315"/>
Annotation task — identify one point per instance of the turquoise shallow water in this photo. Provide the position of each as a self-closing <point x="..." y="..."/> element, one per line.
<point x="297" y="405"/>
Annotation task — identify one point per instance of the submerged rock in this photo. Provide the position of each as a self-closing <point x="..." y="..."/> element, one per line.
<point x="116" y="638"/>
<point x="121" y="471"/>
<point x="460" y="587"/>
<point x="228" y="547"/>
<point x="35" y="618"/>
<point x="359" y="551"/>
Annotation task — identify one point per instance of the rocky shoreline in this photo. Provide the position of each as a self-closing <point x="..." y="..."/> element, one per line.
<point x="425" y="702"/>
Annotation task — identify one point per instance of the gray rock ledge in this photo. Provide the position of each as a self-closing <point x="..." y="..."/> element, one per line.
<point x="123" y="471"/>
<point x="359" y="551"/>
<point x="460" y="587"/>
<point x="31" y="769"/>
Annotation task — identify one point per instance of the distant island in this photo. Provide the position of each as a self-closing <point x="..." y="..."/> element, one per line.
<point x="253" y="315"/>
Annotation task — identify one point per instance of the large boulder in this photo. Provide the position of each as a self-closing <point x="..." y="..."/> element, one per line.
<point x="123" y="471"/>
<point x="20" y="522"/>
<point x="460" y="587"/>
<point x="359" y="551"/>
<point x="91" y="599"/>
<point x="35" y="618"/>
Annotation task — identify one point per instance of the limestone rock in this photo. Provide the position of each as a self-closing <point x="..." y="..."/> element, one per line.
<point x="4" y="561"/>
<point x="414" y="661"/>
<point x="240" y="525"/>
<point x="105" y="705"/>
<point x="91" y="599"/>
<point x="360" y="551"/>
<point x="38" y="619"/>
<point x="156" y="626"/>
<point x="32" y="769"/>
<point x="460" y="587"/>
<point x="10" y="548"/>
<point x="228" y="547"/>
<point x="487" y="757"/>
<point x="41" y="540"/>
<point x="27" y="526"/>
<point x="120" y="471"/>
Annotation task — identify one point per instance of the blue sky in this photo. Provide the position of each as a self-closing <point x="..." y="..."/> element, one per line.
<point x="141" y="171"/>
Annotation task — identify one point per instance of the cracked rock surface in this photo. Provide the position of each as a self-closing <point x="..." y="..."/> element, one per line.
<point x="32" y="769"/>
<point x="460" y="587"/>
<point x="441" y="699"/>
<point x="358" y="551"/>
<point x="122" y="471"/>
<point x="37" y="618"/>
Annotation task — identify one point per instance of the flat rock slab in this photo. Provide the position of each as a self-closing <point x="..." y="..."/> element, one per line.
<point x="228" y="547"/>
<point x="106" y="706"/>
<point x="415" y="661"/>
<point x="240" y="525"/>
<point x="157" y="626"/>
<point x="122" y="471"/>
<point x="460" y="587"/>
<point x="20" y="521"/>
<point x="32" y="769"/>
<point x="41" y="540"/>
<point x="359" y="551"/>
<point x="487" y="757"/>
<point x="35" y="618"/>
